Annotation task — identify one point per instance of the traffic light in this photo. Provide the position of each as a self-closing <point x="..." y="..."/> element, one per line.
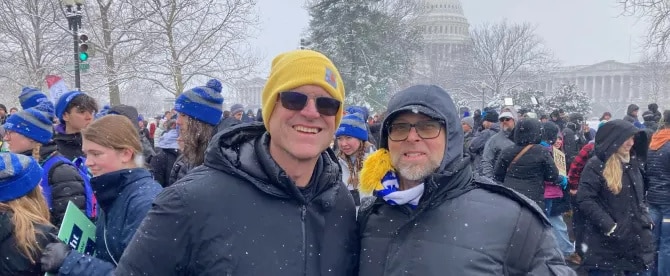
<point x="83" y="47"/>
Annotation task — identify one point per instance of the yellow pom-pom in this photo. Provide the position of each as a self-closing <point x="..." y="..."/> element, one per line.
<point x="376" y="165"/>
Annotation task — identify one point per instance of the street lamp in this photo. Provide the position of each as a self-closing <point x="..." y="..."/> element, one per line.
<point x="73" y="13"/>
<point x="483" y="87"/>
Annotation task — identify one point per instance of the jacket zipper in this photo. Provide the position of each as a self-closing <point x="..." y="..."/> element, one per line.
<point x="303" y="212"/>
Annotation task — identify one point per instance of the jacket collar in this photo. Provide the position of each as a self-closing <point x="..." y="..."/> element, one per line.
<point x="243" y="150"/>
<point x="108" y="187"/>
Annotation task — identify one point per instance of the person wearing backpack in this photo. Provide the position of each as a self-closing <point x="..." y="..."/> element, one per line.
<point x="125" y="191"/>
<point x="29" y="132"/>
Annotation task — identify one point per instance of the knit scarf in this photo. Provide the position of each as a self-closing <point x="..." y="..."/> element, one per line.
<point x="378" y="177"/>
<point x="659" y="139"/>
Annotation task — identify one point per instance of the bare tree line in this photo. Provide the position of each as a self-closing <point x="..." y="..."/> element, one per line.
<point x="142" y="51"/>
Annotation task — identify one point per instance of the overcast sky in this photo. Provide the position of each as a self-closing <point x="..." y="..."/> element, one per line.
<point x="579" y="32"/>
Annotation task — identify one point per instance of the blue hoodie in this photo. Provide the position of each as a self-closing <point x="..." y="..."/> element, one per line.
<point x="168" y="140"/>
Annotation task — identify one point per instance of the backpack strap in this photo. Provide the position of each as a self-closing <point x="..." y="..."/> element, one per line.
<point x="523" y="244"/>
<point x="518" y="155"/>
<point x="47" y="166"/>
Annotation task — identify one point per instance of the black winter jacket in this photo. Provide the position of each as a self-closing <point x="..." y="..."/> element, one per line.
<point x="124" y="198"/>
<point x="162" y="164"/>
<point x="476" y="147"/>
<point x="224" y="124"/>
<point x="69" y="145"/>
<point x="573" y="141"/>
<point x="658" y="173"/>
<point x="66" y="185"/>
<point x="461" y="227"/>
<point x="528" y="173"/>
<point x="13" y="262"/>
<point x="179" y="169"/>
<point x="630" y="247"/>
<point x="240" y="214"/>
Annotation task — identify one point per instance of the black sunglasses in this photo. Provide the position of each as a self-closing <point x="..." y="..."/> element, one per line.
<point x="296" y="101"/>
<point x="425" y="129"/>
<point x="505" y="119"/>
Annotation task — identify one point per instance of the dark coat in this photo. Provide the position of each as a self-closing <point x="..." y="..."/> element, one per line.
<point x="225" y="123"/>
<point x="240" y="214"/>
<point x="630" y="247"/>
<point x="478" y="142"/>
<point x="374" y="130"/>
<point x="179" y="169"/>
<point x="460" y="228"/>
<point x="162" y="163"/>
<point x="528" y="174"/>
<point x="658" y="173"/>
<point x="66" y="185"/>
<point x="13" y="262"/>
<point x="573" y="141"/>
<point x="124" y="198"/>
<point x="69" y="145"/>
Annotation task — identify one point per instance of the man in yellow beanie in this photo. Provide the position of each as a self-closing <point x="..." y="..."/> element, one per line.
<point x="269" y="198"/>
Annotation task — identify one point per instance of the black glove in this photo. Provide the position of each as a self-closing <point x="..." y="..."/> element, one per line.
<point x="53" y="256"/>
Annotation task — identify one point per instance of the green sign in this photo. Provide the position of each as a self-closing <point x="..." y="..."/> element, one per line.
<point x="84" y="66"/>
<point x="77" y="231"/>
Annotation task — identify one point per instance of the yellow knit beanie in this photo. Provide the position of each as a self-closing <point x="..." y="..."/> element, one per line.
<point x="297" y="68"/>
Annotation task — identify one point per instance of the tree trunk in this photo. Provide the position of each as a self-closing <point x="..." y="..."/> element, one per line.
<point x="110" y="65"/>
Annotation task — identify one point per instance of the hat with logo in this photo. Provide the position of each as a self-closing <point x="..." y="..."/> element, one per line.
<point x="297" y="68"/>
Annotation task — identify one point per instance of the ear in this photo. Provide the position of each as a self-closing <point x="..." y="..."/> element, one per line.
<point x="126" y="155"/>
<point x="66" y="117"/>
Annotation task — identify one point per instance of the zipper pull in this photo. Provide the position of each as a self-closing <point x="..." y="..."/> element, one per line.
<point x="303" y="212"/>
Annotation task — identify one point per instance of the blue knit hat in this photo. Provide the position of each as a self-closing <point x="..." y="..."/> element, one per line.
<point x="203" y="103"/>
<point x="34" y="123"/>
<point x="19" y="174"/>
<point x="31" y="97"/>
<point x="353" y="125"/>
<point x="63" y="102"/>
<point x="105" y="109"/>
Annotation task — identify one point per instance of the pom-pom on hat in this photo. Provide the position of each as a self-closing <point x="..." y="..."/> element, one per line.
<point x="31" y="97"/>
<point x="203" y="103"/>
<point x="354" y="126"/>
<point x="19" y="174"/>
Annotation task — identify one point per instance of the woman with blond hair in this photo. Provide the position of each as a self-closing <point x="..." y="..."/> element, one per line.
<point x="617" y="234"/>
<point x="24" y="216"/>
<point x="29" y="132"/>
<point x="124" y="190"/>
<point x="353" y="148"/>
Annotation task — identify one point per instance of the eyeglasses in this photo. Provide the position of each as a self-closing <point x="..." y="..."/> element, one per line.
<point x="505" y="119"/>
<point x="425" y="129"/>
<point x="296" y="101"/>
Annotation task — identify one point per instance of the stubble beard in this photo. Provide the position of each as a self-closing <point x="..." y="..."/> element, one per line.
<point x="414" y="172"/>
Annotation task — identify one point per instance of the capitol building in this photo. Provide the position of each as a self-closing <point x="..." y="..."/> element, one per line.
<point x="611" y="84"/>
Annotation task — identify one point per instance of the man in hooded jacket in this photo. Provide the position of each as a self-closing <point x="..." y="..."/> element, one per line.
<point x="269" y="198"/>
<point x="450" y="223"/>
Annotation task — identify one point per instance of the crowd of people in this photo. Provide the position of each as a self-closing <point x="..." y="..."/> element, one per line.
<point x="309" y="186"/>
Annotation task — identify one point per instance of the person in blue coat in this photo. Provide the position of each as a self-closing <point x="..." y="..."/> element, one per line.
<point x="124" y="191"/>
